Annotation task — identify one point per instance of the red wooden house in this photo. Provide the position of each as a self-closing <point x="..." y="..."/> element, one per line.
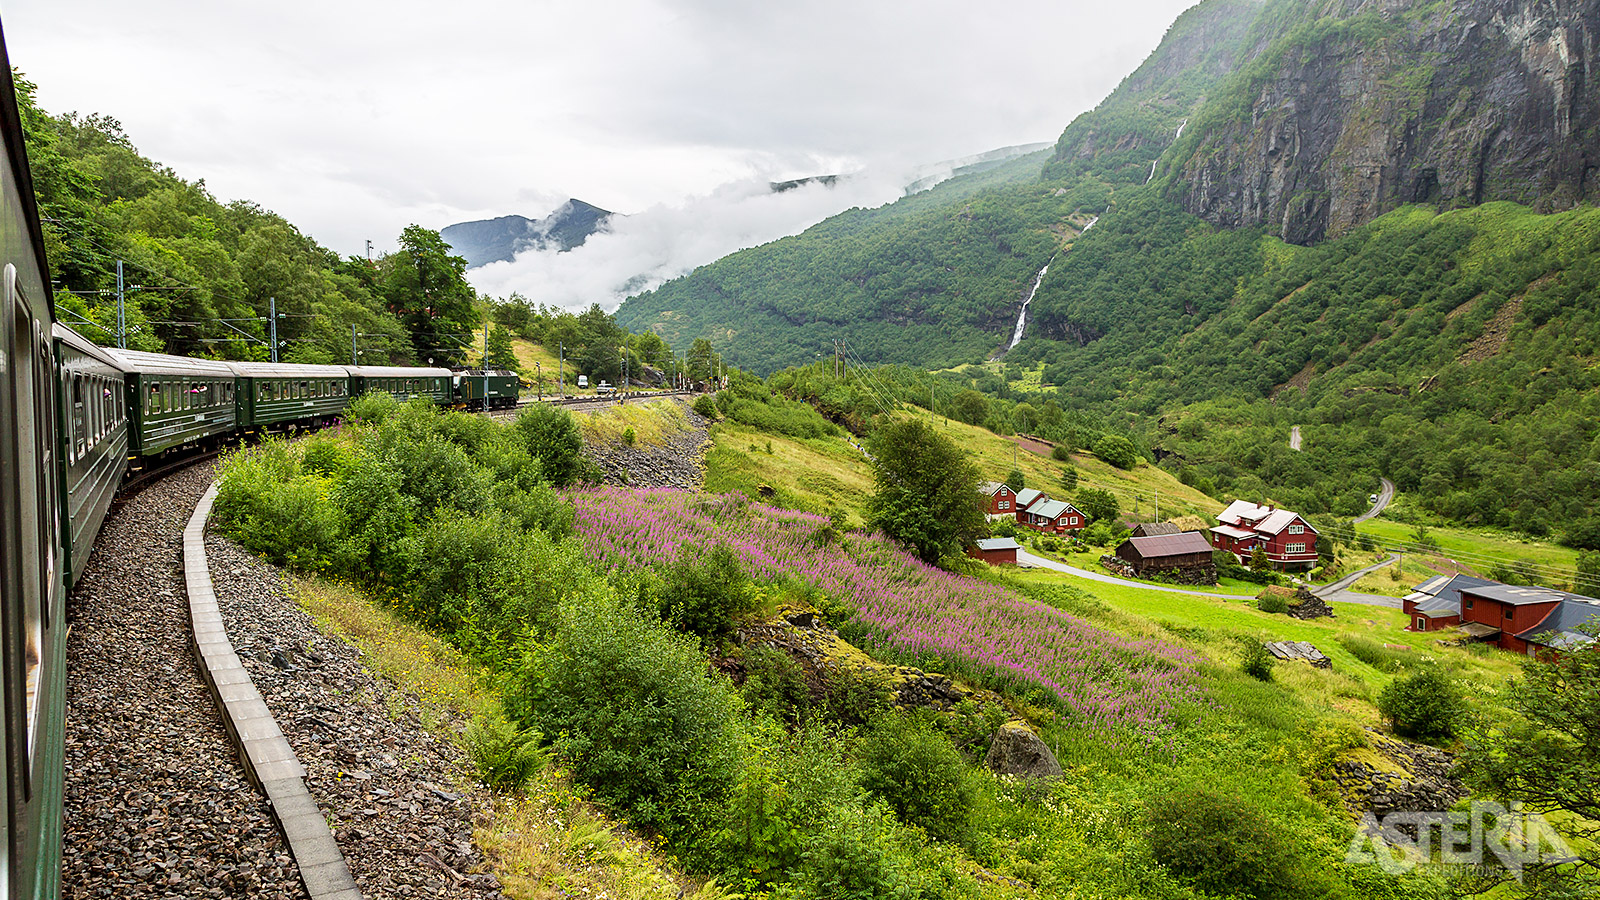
<point x="1436" y="604"/>
<point x="1055" y="517"/>
<point x="1026" y="498"/>
<point x="1290" y="541"/>
<point x="1002" y="500"/>
<point x="1526" y="619"/>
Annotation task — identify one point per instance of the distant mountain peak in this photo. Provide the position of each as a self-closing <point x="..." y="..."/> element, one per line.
<point x="499" y="240"/>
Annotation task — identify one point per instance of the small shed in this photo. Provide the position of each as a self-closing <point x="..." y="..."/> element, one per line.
<point x="1187" y="552"/>
<point x="996" y="551"/>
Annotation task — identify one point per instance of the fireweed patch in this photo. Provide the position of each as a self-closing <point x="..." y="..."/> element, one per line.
<point x="1101" y="679"/>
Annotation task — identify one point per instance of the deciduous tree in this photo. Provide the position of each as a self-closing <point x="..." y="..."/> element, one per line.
<point x="927" y="491"/>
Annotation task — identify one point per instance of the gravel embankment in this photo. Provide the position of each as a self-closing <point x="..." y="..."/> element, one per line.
<point x="156" y="802"/>
<point x="397" y="797"/>
<point x="679" y="463"/>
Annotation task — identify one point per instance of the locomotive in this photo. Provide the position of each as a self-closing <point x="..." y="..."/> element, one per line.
<point x="75" y="419"/>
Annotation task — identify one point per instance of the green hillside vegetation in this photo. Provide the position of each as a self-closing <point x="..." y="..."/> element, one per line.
<point x="1453" y="352"/>
<point x="562" y="650"/>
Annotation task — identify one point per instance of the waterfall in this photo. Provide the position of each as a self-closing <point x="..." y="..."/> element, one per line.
<point x="1022" y="317"/>
<point x="1158" y="157"/>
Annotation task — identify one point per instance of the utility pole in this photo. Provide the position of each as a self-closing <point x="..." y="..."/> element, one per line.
<point x="539" y="380"/>
<point x="486" y="364"/>
<point x="122" y="314"/>
<point x="561" y="368"/>
<point x="353" y="352"/>
<point x="369" y="251"/>
<point x="272" y="318"/>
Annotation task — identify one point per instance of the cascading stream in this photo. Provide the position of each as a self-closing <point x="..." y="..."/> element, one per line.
<point x="1022" y="317"/>
<point x="1158" y="157"/>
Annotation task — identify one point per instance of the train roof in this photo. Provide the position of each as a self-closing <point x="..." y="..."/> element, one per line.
<point x="163" y="364"/>
<point x="396" y="372"/>
<point x="83" y="345"/>
<point x="286" y="370"/>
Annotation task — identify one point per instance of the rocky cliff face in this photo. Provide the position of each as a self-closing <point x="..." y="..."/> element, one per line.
<point x="1389" y="102"/>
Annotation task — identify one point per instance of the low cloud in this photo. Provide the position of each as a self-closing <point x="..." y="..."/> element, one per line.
<point x="643" y="250"/>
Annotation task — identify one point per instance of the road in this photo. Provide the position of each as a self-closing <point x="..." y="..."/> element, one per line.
<point x="1337" y="592"/>
<point x="1024" y="558"/>
<point x="1294" y="438"/>
<point x="1385" y="494"/>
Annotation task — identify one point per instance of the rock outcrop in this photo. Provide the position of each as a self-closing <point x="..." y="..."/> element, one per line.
<point x="1016" y="750"/>
<point x="1379" y="104"/>
<point x="1392" y="775"/>
<point x="679" y="462"/>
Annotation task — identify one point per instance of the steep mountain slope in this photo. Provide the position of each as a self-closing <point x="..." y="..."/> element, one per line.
<point x="938" y="277"/>
<point x="498" y="240"/>
<point x="1353" y="113"/>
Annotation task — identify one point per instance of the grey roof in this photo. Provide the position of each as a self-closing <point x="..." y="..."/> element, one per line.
<point x="1517" y="595"/>
<point x="1052" y="509"/>
<point x="1562" y="622"/>
<point x="1443" y="594"/>
<point x="396" y="372"/>
<point x="1002" y="543"/>
<point x="163" y="364"/>
<point x="286" y="370"/>
<point x="82" y="344"/>
<point x="1181" y="544"/>
<point x="1026" y="496"/>
<point x="1147" y="529"/>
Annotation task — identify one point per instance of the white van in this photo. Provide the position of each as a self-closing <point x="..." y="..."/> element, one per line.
<point x="583" y="381"/>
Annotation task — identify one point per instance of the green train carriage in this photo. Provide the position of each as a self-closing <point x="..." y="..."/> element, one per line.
<point x="175" y="402"/>
<point x="284" y="396"/>
<point x="92" y="443"/>
<point x="486" y="390"/>
<point x="402" y="382"/>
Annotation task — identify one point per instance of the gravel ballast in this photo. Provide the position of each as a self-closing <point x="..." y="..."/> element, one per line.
<point x="396" y="796"/>
<point x="156" y="803"/>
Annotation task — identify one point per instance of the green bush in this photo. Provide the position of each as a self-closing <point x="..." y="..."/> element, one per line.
<point x="854" y="857"/>
<point x="1098" y="505"/>
<point x="637" y="717"/>
<point x="706" y="593"/>
<point x="705" y="406"/>
<point x="1425" y="705"/>
<point x="378" y="518"/>
<point x="1060" y="453"/>
<point x="789" y="785"/>
<point x="268" y="504"/>
<point x="1272" y="603"/>
<point x="1005" y="528"/>
<point x="1016" y="480"/>
<point x="1116" y="450"/>
<point x="1256" y="660"/>
<point x="504" y="755"/>
<point x="1069" y="477"/>
<point x="774" y="684"/>
<point x="324" y="456"/>
<point x="551" y="436"/>
<point x="912" y="766"/>
<point x="371" y="408"/>
<point x="628" y="436"/>
<point x="1220" y="843"/>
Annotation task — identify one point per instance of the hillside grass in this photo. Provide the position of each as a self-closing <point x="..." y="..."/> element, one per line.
<point x="1137" y="490"/>
<point x="1212" y="626"/>
<point x="652" y="422"/>
<point x="1480" y="549"/>
<point x="817" y="475"/>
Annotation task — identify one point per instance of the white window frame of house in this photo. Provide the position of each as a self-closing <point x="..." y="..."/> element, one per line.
<point x="1297" y="529"/>
<point x="1422" y="624"/>
<point x="1295" y="548"/>
<point x="1005" y="504"/>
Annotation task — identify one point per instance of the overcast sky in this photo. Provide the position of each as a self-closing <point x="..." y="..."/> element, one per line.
<point x="354" y="119"/>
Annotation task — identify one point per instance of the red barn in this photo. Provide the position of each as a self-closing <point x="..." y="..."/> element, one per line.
<point x="1290" y="541"/>
<point x="995" y="551"/>
<point x="1002" y="500"/>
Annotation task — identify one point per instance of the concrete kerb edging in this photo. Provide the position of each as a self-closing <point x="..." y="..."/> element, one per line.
<point x="268" y="760"/>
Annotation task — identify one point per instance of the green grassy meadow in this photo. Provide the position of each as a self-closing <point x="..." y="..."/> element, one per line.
<point x="1477" y="551"/>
